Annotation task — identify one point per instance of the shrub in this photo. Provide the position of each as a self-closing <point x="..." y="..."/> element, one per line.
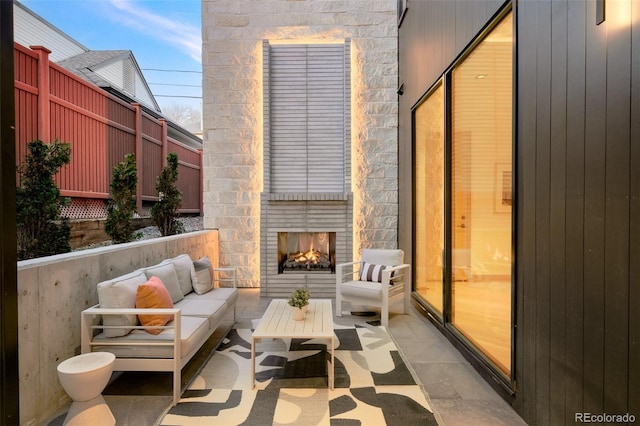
<point x="165" y="211"/>
<point x="123" y="201"/>
<point x="40" y="229"/>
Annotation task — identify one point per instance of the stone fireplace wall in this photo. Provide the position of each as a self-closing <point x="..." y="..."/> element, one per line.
<point x="333" y="214"/>
<point x="233" y="33"/>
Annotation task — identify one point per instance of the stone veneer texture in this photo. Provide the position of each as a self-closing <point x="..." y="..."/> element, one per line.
<point x="232" y="33"/>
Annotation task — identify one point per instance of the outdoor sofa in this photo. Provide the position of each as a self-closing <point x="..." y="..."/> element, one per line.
<point x="151" y="338"/>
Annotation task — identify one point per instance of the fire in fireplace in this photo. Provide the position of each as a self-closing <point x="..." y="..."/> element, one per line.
<point x="306" y="252"/>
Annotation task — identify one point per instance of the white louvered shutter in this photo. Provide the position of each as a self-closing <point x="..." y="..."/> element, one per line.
<point x="308" y="115"/>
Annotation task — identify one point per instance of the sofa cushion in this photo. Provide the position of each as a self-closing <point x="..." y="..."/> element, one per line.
<point x="199" y="307"/>
<point x="211" y="309"/>
<point x="383" y="256"/>
<point x="193" y="331"/>
<point x="227" y="294"/>
<point x="120" y="292"/>
<point x="184" y="267"/>
<point x="202" y="276"/>
<point x="167" y="274"/>
<point x="150" y="295"/>
<point x="362" y="289"/>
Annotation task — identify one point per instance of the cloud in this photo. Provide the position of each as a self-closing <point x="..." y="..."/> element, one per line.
<point x="184" y="36"/>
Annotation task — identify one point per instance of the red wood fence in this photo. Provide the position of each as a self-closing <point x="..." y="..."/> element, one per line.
<point x="52" y="102"/>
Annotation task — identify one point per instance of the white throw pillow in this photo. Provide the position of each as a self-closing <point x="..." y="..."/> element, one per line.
<point x="167" y="274"/>
<point x="184" y="267"/>
<point x="372" y="272"/>
<point x="120" y="292"/>
<point x="202" y="276"/>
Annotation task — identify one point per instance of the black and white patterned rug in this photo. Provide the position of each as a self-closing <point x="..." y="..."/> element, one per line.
<point x="373" y="384"/>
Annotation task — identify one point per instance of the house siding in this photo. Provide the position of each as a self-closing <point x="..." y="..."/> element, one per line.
<point x="29" y="30"/>
<point x="577" y="216"/>
<point x="577" y="116"/>
<point x="113" y="73"/>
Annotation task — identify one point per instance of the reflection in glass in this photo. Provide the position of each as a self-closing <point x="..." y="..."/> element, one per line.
<point x="429" y="204"/>
<point x="481" y="195"/>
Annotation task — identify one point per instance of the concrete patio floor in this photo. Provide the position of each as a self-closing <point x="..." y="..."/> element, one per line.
<point x="456" y="391"/>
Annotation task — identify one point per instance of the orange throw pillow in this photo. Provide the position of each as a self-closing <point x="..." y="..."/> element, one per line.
<point x="153" y="294"/>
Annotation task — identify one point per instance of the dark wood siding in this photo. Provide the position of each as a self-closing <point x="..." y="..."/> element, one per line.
<point x="558" y="38"/>
<point x="541" y="74"/>
<point x="525" y="183"/>
<point x="595" y="108"/>
<point x="634" y="222"/>
<point x="575" y="184"/>
<point x="616" y="227"/>
<point x="578" y="192"/>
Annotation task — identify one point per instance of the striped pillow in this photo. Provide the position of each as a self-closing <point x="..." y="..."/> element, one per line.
<point x="372" y="272"/>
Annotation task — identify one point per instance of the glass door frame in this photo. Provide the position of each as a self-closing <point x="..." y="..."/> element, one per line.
<point x="422" y="300"/>
<point x="507" y="382"/>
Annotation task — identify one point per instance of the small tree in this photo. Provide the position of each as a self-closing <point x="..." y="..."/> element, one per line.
<point x="165" y="211"/>
<point x="123" y="201"/>
<point x="40" y="230"/>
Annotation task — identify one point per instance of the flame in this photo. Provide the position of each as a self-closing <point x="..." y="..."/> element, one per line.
<point x="311" y="256"/>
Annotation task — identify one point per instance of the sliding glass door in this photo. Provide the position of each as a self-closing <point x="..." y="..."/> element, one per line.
<point x="463" y="197"/>
<point x="429" y="184"/>
<point x="481" y="195"/>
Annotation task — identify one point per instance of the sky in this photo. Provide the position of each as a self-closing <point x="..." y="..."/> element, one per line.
<point x="162" y="34"/>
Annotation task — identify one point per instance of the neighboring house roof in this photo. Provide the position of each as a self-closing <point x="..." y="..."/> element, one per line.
<point x="115" y="71"/>
<point x="83" y="63"/>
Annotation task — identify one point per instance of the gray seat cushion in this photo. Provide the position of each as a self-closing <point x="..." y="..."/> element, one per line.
<point x="225" y="293"/>
<point x="211" y="309"/>
<point x="362" y="289"/>
<point x="192" y="332"/>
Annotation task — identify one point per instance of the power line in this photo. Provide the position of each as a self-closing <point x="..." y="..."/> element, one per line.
<point x="174" y="84"/>
<point x="158" y="69"/>
<point x="177" y="96"/>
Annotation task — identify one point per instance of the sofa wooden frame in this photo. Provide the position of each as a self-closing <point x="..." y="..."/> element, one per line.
<point x="89" y="325"/>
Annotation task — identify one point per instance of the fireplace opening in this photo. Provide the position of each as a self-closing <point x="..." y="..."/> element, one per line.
<point x="306" y="252"/>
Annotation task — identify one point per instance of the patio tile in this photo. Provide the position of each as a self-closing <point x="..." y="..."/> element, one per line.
<point x="461" y="412"/>
<point x="409" y="328"/>
<point x="431" y="351"/>
<point x="454" y="381"/>
<point x="437" y="383"/>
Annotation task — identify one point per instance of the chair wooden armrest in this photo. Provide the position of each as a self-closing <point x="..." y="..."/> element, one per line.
<point x="346" y="269"/>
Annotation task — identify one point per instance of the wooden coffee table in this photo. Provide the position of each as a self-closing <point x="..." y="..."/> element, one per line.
<point x="276" y="323"/>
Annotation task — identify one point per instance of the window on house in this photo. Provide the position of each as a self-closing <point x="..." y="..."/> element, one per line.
<point x="481" y="164"/>
<point x="463" y="198"/>
<point x="429" y="200"/>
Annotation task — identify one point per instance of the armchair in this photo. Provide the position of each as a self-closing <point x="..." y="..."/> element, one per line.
<point x="379" y="276"/>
